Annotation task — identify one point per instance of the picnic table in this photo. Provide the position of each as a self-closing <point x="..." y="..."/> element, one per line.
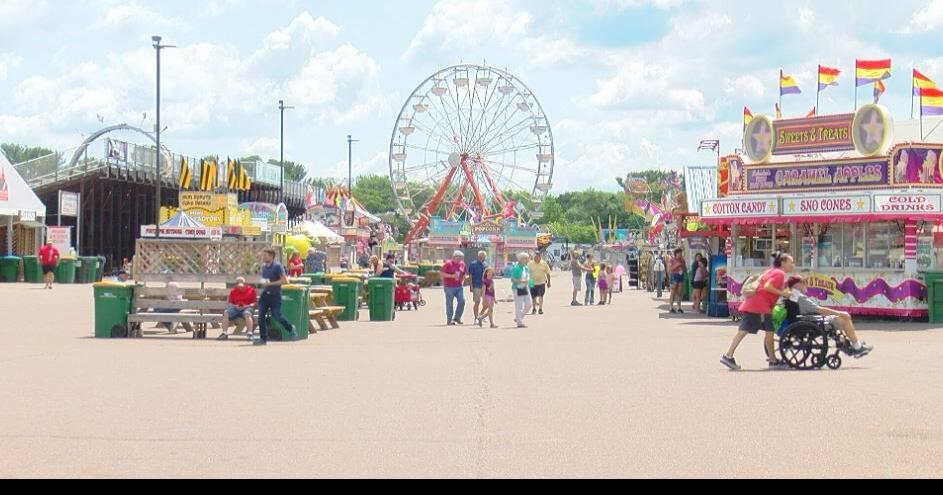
<point x="322" y="312"/>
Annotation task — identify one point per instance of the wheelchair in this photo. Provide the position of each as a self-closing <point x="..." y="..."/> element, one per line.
<point x="806" y="344"/>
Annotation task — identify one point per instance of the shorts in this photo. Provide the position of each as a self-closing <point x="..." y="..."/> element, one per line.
<point x="47" y="269"/>
<point x="603" y="285"/>
<point x="577" y="282"/>
<point x="677" y="278"/>
<point x="237" y="314"/>
<point x="752" y="323"/>
<point x="538" y="290"/>
<point x="699" y="285"/>
<point x="477" y="294"/>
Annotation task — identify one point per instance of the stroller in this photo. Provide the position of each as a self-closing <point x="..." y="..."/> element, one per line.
<point x="408" y="294"/>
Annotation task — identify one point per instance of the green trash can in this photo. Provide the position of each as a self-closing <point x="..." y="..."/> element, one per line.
<point x="32" y="270"/>
<point x="10" y="269"/>
<point x="934" y="281"/>
<point x="80" y="271"/>
<point x="88" y="270"/>
<point x="347" y="294"/>
<point x="381" y="299"/>
<point x="318" y="279"/>
<point x="295" y="302"/>
<point x="112" y="307"/>
<point x="65" y="272"/>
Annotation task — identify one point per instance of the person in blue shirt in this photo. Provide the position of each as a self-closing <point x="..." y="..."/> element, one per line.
<point x="477" y="272"/>
<point x="273" y="278"/>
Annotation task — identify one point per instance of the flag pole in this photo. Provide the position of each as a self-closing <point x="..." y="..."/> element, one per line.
<point x="856" y="87"/>
<point x="921" y="114"/>
<point x="818" y="90"/>
<point x="913" y="89"/>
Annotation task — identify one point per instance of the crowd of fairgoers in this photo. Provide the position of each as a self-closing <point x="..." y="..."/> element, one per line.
<point x="529" y="280"/>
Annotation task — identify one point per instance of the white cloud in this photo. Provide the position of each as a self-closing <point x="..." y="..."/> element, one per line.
<point x="8" y="62"/>
<point x="304" y="31"/>
<point x="134" y="14"/>
<point x="209" y="85"/>
<point x="456" y="24"/>
<point x="927" y="19"/>
<point x="746" y="86"/>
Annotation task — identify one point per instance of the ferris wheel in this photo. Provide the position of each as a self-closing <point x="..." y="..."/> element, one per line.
<point x="465" y="138"/>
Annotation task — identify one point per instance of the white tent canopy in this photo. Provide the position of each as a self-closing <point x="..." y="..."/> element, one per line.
<point x="15" y="195"/>
<point x="319" y="231"/>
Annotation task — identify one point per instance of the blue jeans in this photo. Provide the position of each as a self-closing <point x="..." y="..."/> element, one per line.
<point x="273" y="302"/>
<point x="451" y="294"/>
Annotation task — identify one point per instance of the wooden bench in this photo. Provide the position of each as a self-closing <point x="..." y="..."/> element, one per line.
<point x="199" y="309"/>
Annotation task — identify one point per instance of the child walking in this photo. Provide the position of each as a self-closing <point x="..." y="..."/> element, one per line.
<point x="487" y="310"/>
<point x="603" y="285"/>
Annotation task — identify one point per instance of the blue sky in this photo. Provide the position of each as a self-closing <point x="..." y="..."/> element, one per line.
<point x="627" y="84"/>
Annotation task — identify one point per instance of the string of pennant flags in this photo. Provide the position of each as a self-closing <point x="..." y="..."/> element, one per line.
<point x="237" y="177"/>
<point x="867" y="72"/>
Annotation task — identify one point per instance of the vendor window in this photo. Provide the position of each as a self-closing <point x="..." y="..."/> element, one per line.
<point x="885" y="245"/>
<point x="928" y="254"/>
<point x="754" y="247"/>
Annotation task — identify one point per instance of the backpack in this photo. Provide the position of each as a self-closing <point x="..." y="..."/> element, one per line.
<point x="751" y="286"/>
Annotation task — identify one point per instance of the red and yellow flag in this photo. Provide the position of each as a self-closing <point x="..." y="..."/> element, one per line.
<point x="828" y="77"/>
<point x="922" y="82"/>
<point x="871" y="71"/>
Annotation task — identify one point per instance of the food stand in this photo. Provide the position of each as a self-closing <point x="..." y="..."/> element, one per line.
<point x="861" y="226"/>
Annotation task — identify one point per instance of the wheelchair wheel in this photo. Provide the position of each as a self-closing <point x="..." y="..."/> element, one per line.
<point x="804" y="346"/>
<point x="834" y="362"/>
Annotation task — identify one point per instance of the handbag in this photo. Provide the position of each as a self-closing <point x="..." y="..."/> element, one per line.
<point x="523" y="292"/>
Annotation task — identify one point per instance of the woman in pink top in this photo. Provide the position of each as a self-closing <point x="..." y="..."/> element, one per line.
<point x="757" y="310"/>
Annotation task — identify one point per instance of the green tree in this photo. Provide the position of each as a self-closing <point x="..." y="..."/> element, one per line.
<point x="17" y="153"/>
<point x="294" y="172"/>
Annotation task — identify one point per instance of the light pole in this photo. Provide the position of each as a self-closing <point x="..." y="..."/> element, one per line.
<point x="350" y="164"/>
<point x="281" y="161"/>
<point x="157" y="48"/>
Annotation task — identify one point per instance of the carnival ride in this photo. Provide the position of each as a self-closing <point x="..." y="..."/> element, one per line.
<point x="472" y="134"/>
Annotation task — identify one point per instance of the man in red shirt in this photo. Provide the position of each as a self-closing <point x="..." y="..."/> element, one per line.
<point x="242" y="300"/>
<point x="453" y="279"/>
<point x="49" y="258"/>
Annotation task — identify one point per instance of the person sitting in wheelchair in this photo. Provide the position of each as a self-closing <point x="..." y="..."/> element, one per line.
<point x="800" y="304"/>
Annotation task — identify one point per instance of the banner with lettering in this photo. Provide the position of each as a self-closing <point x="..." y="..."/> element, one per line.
<point x="858" y="174"/>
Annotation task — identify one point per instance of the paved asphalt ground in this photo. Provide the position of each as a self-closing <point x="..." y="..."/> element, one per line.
<point x="612" y="391"/>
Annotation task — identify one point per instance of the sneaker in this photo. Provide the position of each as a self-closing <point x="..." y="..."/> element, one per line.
<point x="451" y="323"/>
<point x="672" y="311"/>
<point x="534" y="312"/>
<point x="540" y="312"/>
<point x="223" y="337"/>
<point x="730" y="363"/>
<point x="494" y="327"/>
<point x="778" y="365"/>
<point x="864" y="351"/>
<point x="521" y="325"/>
<point x="459" y="322"/>
<point x="259" y="342"/>
<point x="575" y="304"/>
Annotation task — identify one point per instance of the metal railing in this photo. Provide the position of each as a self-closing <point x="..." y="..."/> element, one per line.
<point x="52" y="169"/>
